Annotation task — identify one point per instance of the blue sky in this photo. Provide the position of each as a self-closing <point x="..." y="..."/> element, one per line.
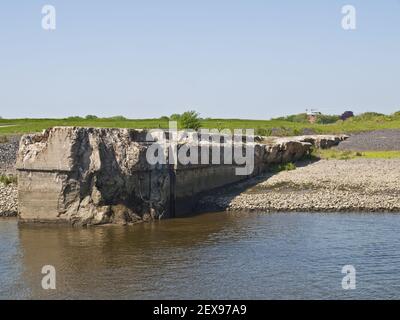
<point x="224" y="58"/>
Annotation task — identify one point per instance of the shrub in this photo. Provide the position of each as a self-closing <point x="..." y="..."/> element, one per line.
<point x="326" y="119"/>
<point x="117" y="118"/>
<point x="301" y="117"/>
<point x="263" y="132"/>
<point x="175" y="117"/>
<point x="190" y="120"/>
<point x="90" y="117"/>
<point x="8" y="179"/>
<point x="288" y="166"/>
<point x="369" y="116"/>
<point x="164" y="118"/>
<point x="346" y="155"/>
<point x="284" y="167"/>
<point x="74" y="118"/>
<point x="297" y="132"/>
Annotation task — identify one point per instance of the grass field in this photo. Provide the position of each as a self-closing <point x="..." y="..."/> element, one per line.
<point x="262" y="127"/>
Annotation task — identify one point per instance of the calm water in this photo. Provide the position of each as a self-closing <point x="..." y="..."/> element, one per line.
<point x="217" y="256"/>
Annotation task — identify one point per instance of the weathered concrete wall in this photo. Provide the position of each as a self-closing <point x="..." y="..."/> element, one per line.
<point x="88" y="176"/>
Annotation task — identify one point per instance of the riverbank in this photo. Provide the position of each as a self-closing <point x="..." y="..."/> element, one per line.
<point x="8" y="154"/>
<point x="367" y="185"/>
<point x="355" y="184"/>
<point x="90" y="176"/>
<point x="8" y="200"/>
<point x="8" y="187"/>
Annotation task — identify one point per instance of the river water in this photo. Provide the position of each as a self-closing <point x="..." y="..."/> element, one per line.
<point x="210" y="256"/>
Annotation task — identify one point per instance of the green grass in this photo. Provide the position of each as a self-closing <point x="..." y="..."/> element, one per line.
<point x="381" y="154"/>
<point x="7" y="180"/>
<point x="348" y="155"/>
<point x="262" y="127"/>
<point x="283" y="167"/>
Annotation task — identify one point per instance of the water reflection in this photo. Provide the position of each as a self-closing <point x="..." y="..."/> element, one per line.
<point x="218" y="255"/>
<point x="91" y="261"/>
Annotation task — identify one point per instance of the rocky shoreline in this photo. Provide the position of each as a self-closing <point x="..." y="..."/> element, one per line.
<point x="8" y="155"/>
<point x="8" y="200"/>
<point x="359" y="185"/>
<point x="8" y="192"/>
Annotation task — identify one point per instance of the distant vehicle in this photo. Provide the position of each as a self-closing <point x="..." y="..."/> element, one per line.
<point x="346" y="115"/>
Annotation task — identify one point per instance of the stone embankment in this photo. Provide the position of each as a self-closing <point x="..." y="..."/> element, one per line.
<point x="8" y="200"/>
<point x="87" y="176"/>
<point x="8" y="155"/>
<point x="327" y="185"/>
<point x="8" y="192"/>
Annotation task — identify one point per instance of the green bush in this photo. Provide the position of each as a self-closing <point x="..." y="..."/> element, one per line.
<point x="263" y="132"/>
<point x="74" y="118"/>
<point x="175" y="117"/>
<point x="8" y="179"/>
<point x="91" y="117"/>
<point x="301" y="117"/>
<point x="190" y="120"/>
<point x="369" y="116"/>
<point x="288" y="166"/>
<point x="346" y="155"/>
<point x="118" y="118"/>
<point x="297" y="132"/>
<point x="284" y="167"/>
<point x="326" y="119"/>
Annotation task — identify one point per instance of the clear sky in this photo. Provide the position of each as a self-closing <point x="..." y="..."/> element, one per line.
<point x="224" y="58"/>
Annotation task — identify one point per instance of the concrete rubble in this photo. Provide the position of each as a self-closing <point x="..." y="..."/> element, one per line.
<point x="88" y="176"/>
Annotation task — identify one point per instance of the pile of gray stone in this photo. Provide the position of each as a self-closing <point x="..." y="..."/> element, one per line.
<point x="8" y="192"/>
<point x="8" y="155"/>
<point x="378" y="140"/>
<point x="8" y="200"/>
<point x="367" y="185"/>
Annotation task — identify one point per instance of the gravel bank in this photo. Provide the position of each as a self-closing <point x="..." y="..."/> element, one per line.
<point x="8" y="200"/>
<point x="8" y="193"/>
<point x="326" y="185"/>
<point x="380" y="140"/>
<point x="8" y="155"/>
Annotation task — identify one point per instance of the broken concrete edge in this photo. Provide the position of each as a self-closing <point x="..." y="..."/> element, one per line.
<point x="94" y="176"/>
